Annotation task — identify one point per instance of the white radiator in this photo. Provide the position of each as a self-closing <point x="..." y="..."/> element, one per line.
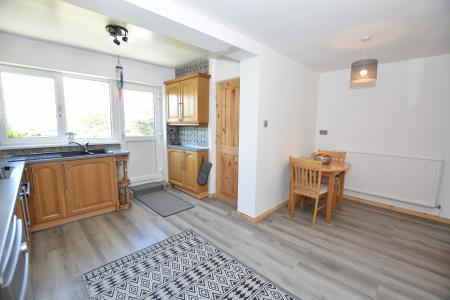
<point x="404" y="178"/>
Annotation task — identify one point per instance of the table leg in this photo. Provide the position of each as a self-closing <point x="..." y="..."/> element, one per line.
<point x="330" y="197"/>
<point x="341" y="189"/>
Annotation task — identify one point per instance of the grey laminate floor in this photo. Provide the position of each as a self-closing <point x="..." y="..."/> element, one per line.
<point x="367" y="253"/>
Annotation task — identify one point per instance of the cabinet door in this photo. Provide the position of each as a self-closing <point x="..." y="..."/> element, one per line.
<point x="173" y="103"/>
<point x="91" y="185"/>
<point x="190" y="170"/>
<point x="188" y="89"/>
<point x="175" y="161"/>
<point x="47" y="188"/>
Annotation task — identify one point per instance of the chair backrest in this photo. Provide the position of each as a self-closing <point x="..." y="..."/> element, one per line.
<point x="335" y="155"/>
<point x="306" y="176"/>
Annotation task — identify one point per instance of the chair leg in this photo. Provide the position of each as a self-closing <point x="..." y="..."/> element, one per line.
<point x="315" y="210"/>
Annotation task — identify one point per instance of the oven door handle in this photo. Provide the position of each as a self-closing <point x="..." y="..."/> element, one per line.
<point x="26" y="276"/>
<point x="8" y="275"/>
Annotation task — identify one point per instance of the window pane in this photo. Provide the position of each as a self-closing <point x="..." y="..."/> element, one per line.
<point x="139" y="113"/>
<point x="88" y="112"/>
<point x="30" y="107"/>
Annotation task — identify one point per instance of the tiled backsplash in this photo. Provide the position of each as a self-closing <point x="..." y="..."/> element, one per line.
<point x="201" y="66"/>
<point x="196" y="136"/>
<point x="53" y="149"/>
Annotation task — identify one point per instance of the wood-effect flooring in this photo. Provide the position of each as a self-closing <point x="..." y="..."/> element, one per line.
<point x="366" y="253"/>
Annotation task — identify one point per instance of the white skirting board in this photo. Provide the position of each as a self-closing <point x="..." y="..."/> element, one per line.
<point x="409" y="179"/>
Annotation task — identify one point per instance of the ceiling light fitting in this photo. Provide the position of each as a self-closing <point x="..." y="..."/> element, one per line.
<point x="364" y="70"/>
<point x="117" y="32"/>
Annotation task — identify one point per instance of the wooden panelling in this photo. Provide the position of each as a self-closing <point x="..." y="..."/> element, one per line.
<point x="227" y="139"/>
<point x="90" y="185"/>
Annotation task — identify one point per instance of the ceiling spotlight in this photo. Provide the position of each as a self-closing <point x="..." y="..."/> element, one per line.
<point x="116" y="32"/>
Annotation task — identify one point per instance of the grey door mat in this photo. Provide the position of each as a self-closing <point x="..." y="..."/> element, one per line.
<point x="164" y="203"/>
<point x="147" y="188"/>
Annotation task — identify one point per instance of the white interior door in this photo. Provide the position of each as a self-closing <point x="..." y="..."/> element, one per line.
<point x="142" y="132"/>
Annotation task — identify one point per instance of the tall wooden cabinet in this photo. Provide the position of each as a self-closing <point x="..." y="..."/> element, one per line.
<point x="187" y="100"/>
<point x="227" y="139"/>
<point x="184" y="167"/>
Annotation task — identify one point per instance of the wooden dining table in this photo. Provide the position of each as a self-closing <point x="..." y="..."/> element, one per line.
<point x="331" y="171"/>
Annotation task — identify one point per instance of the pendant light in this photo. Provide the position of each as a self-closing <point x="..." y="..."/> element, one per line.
<point x="364" y="70"/>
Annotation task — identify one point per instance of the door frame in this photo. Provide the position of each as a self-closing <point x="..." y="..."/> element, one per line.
<point x="157" y="137"/>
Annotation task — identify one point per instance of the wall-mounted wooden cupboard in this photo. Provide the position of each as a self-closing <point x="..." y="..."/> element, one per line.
<point x="187" y="100"/>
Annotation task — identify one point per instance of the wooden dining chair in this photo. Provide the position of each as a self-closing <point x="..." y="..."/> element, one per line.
<point x="306" y="181"/>
<point x="337" y="156"/>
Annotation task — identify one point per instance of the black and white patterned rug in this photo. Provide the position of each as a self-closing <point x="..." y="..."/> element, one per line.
<point x="184" y="266"/>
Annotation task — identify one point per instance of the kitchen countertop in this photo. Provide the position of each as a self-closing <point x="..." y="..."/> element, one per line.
<point x="114" y="152"/>
<point x="9" y="188"/>
<point x="8" y="196"/>
<point x="188" y="148"/>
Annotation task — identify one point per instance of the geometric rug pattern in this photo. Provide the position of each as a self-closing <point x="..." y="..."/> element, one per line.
<point x="185" y="266"/>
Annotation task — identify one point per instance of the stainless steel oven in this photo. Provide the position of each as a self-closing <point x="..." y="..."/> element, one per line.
<point x="15" y="264"/>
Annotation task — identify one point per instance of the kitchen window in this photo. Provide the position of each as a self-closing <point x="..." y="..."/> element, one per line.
<point x="29" y="106"/>
<point x="87" y="107"/>
<point x="39" y="107"/>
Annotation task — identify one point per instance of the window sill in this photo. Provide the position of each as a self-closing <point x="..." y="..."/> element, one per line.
<point x="31" y="146"/>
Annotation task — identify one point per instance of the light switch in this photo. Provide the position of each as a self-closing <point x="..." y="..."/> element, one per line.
<point x="323" y="132"/>
<point x="266" y="123"/>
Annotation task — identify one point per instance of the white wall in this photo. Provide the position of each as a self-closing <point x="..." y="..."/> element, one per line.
<point x="219" y="70"/>
<point x="407" y="112"/>
<point x="146" y="158"/>
<point x="288" y="100"/>
<point x="55" y="57"/>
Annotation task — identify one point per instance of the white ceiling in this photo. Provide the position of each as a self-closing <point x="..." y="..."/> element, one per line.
<point x="57" y="21"/>
<point x="325" y="34"/>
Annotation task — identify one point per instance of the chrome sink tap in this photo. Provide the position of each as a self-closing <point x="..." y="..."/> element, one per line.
<point x="85" y="147"/>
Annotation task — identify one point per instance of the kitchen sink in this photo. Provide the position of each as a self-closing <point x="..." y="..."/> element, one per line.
<point x="5" y="172"/>
<point x="82" y="153"/>
<point x="43" y="156"/>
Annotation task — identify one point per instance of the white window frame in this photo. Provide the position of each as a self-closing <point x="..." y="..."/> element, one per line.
<point x="157" y="107"/>
<point x="4" y="139"/>
<point x="61" y="139"/>
<point x="112" y="109"/>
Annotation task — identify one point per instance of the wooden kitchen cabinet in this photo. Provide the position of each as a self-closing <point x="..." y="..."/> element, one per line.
<point x="187" y="100"/>
<point x="67" y="191"/>
<point x="184" y="167"/>
<point x="173" y="103"/>
<point x="176" y="160"/>
<point x="90" y="185"/>
<point x="47" y="192"/>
